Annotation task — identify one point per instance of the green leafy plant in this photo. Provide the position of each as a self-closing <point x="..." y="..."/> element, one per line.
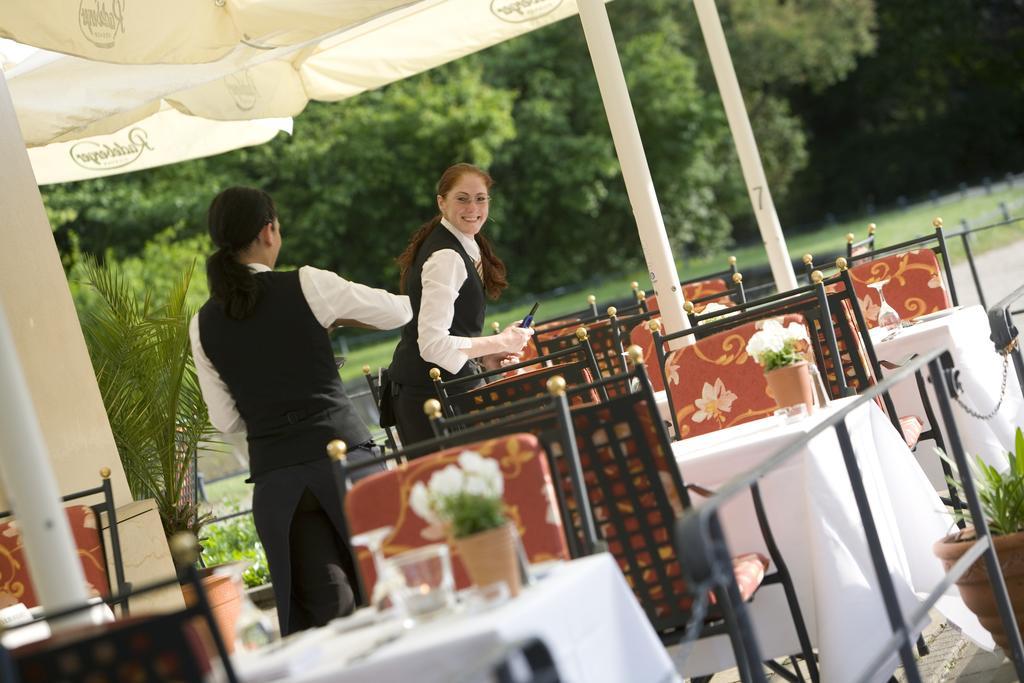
<point x="464" y="498"/>
<point x="141" y="353"/>
<point x="236" y="539"/>
<point x="1001" y="494"/>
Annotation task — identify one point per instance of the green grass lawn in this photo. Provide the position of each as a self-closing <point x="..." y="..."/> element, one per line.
<point x="893" y="226"/>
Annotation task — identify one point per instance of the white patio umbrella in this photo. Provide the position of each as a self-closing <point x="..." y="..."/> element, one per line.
<point x="166" y="137"/>
<point x="270" y="67"/>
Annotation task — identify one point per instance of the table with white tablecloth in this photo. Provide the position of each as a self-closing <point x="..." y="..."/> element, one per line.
<point x="965" y="333"/>
<point x="810" y="506"/>
<point x="583" y="611"/>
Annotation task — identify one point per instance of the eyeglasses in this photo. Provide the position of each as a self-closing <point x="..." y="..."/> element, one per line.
<point x="466" y="200"/>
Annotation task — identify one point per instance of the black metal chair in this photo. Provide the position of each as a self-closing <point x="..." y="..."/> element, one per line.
<point x="105" y="509"/>
<point x="855" y="247"/>
<point x="149" y="649"/>
<point x="373" y="381"/>
<point x="635" y="492"/>
<point x="462" y="395"/>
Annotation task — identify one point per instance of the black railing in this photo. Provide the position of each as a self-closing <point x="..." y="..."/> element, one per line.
<point x="1005" y="334"/>
<point x="966" y="233"/>
<point x="701" y="541"/>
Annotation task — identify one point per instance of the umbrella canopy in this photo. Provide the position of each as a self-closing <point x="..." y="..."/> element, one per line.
<point x="59" y="97"/>
<point x="166" y="137"/>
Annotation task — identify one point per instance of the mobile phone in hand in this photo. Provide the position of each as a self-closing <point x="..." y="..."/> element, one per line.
<point x="528" y="320"/>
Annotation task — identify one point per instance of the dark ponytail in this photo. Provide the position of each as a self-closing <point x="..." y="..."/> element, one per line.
<point x="407" y="257"/>
<point x="235" y="219"/>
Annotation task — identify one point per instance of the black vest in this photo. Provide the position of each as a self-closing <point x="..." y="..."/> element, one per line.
<point x="279" y="367"/>
<point x="408" y="367"/>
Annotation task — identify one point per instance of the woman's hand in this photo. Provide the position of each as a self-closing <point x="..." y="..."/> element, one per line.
<point x="513" y="339"/>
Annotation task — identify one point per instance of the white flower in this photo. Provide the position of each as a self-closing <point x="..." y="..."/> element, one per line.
<point x="479" y="486"/>
<point x="421" y="504"/>
<point x="483" y="475"/>
<point x="472" y="462"/>
<point x="447" y="482"/>
<point x="796" y="332"/>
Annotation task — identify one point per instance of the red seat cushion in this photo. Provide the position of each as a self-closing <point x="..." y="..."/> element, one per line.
<point x="383" y="500"/>
<point x="14" y="576"/>
<point x="912" y="427"/>
<point x="749" y="570"/>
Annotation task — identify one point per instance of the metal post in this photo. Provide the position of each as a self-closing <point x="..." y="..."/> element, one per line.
<point x="965" y="237"/>
<point x="635" y="171"/>
<point x="25" y="470"/>
<point x="746" y="146"/>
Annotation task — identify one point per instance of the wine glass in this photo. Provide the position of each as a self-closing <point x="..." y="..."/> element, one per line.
<point x="254" y="629"/>
<point x="888" y="318"/>
<point x="373" y="540"/>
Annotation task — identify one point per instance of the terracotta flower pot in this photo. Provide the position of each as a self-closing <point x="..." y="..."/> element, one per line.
<point x="791" y="385"/>
<point x="225" y="602"/>
<point x="974" y="585"/>
<point x="490" y="556"/>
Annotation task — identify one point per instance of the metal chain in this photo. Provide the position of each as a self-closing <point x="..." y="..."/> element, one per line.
<point x="1002" y="392"/>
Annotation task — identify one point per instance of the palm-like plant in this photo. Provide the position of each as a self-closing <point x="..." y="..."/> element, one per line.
<point x="142" y="357"/>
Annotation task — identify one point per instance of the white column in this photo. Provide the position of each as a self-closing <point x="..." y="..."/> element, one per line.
<point x="50" y="550"/>
<point x="746" y="146"/>
<point x="635" y="171"/>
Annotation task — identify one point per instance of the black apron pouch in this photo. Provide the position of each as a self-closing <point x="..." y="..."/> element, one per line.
<point x="386" y="405"/>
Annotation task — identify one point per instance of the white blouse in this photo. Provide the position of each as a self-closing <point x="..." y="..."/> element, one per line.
<point x="330" y="297"/>
<point x="442" y="276"/>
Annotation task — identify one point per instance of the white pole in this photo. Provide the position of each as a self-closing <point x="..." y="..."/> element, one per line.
<point x="635" y="171"/>
<point x="53" y="561"/>
<point x="746" y="146"/>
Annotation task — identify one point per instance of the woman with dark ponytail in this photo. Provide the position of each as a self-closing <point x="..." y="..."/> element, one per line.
<point x="266" y="367"/>
<point x="447" y="269"/>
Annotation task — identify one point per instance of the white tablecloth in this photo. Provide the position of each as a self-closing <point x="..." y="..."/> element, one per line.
<point x="583" y="611"/>
<point x="811" y="510"/>
<point x="965" y="332"/>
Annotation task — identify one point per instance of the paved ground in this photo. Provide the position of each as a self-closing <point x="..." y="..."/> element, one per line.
<point x="1001" y="271"/>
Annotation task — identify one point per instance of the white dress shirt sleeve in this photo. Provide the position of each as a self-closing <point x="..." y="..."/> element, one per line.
<point x="332" y="297"/>
<point x="219" y="401"/>
<point x="442" y="277"/>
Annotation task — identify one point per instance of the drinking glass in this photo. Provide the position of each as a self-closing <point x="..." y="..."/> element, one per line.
<point x="373" y="540"/>
<point x="428" y="585"/>
<point x="888" y="318"/>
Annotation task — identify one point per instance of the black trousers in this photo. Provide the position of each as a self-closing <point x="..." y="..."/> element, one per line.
<point x="298" y="516"/>
<point x="320" y="584"/>
<point x="412" y="423"/>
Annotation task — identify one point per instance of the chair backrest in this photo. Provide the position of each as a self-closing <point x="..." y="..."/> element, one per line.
<point x="915" y="284"/>
<point x="383" y="500"/>
<point x="635" y="493"/>
<point x="164" y="647"/>
<point x="174" y="646"/>
<point x="526" y="379"/>
<point x="713" y="384"/>
<point x="85" y="522"/>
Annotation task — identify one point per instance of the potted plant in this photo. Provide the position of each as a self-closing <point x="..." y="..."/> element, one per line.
<point x="141" y="354"/>
<point x="466" y="500"/>
<point x="1001" y="495"/>
<point x="781" y="351"/>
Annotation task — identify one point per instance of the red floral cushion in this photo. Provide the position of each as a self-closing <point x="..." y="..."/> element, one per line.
<point x="915" y="285"/>
<point x="14" y="576"/>
<point x="383" y="500"/>
<point x="714" y="384"/>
